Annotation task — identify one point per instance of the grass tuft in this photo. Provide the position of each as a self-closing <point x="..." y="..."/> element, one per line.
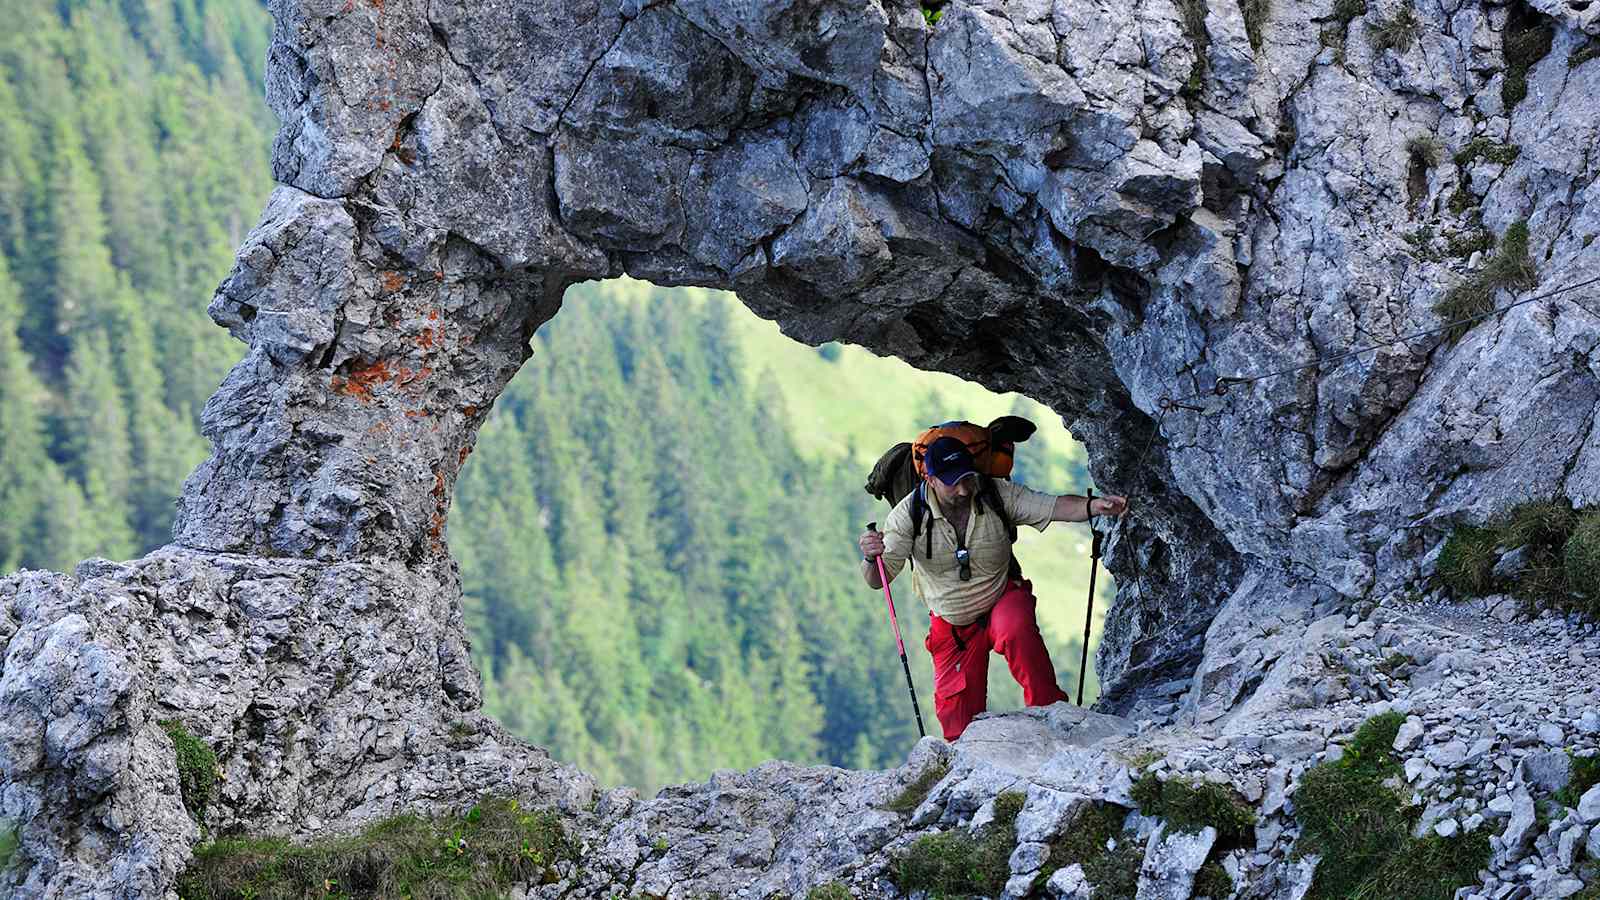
<point x="1510" y="267"/>
<point x="197" y="768"/>
<point x="955" y="863"/>
<point x="1581" y="557"/>
<point x="1347" y="11"/>
<point x="1585" y="775"/>
<point x="917" y="791"/>
<point x="1467" y="561"/>
<point x="1527" y="40"/>
<point x="480" y="853"/>
<point x="8" y="842"/>
<point x="1212" y="881"/>
<point x="1255" y="19"/>
<point x="833" y="890"/>
<point x="1190" y="806"/>
<point x="1395" y="32"/>
<point x="1537" y="522"/>
<point x="1363" y="833"/>
<point x="1590" y="50"/>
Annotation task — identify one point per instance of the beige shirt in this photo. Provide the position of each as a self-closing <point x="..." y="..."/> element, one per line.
<point x="937" y="579"/>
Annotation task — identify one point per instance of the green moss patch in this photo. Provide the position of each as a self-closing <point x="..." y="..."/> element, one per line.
<point x="1585" y="775"/>
<point x="480" y="853"/>
<point x="833" y="890"/>
<point x="1510" y="267"/>
<point x="1255" y="14"/>
<point x="8" y="842"/>
<point x="917" y="791"/>
<point x="1212" y="881"/>
<point x="1527" y="39"/>
<point x="1113" y="871"/>
<point x="1484" y="148"/>
<point x="1590" y="50"/>
<point x="197" y="768"/>
<point x="1363" y="832"/>
<point x="955" y="863"/>
<point x="1190" y="806"/>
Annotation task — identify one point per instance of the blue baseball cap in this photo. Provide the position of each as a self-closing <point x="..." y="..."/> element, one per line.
<point x="949" y="460"/>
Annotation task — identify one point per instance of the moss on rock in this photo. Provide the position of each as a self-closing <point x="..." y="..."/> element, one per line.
<point x="197" y="768"/>
<point x="482" y="852"/>
<point x="955" y="863"/>
<point x="1361" y="829"/>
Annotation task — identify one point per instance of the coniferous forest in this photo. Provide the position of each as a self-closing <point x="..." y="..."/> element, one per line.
<point x="658" y="553"/>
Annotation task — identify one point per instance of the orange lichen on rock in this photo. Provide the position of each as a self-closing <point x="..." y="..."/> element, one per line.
<point x="426" y="339"/>
<point x="391" y="280"/>
<point x="360" y="382"/>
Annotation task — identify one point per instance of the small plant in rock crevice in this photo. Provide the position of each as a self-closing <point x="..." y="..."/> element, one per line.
<point x="1510" y="267"/>
<point x="1589" y="50"/>
<point x="1255" y="14"/>
<point x="1395" y="32"/>
<point x="909" y="799"/>
<point x="1581" y="558"/>
<point x="1467" y="561"/>
<point x="1525" y="40"/>
<point x="8" y="842"/>
<point x="833" y="890"/>
<point x="1194" y="25"/>
<point x="197" y="768"/>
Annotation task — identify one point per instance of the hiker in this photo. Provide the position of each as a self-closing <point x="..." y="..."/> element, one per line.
<point x="964" y="571"/>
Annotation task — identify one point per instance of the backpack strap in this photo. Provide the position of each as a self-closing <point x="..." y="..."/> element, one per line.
<point x="919" y="508"/>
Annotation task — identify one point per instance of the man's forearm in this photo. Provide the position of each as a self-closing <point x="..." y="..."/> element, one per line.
<point x="1070" y="508"/>
<point x="869" y="572"/>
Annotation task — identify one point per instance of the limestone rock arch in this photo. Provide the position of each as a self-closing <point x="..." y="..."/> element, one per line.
<point x="1097" y="204"/>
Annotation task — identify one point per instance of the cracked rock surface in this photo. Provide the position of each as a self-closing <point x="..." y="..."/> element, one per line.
<point x="1098" y="204"/>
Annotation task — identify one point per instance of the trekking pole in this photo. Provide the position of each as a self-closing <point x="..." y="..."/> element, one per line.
<point x="883" y="578"/>
<point x="1088" y="615"/>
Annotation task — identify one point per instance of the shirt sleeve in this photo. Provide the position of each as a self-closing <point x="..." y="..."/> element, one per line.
<point x="897" y="537"/>
<point x="1025" y="505"/>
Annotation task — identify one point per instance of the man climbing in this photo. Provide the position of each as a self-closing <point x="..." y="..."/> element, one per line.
<point x="963" y="569"/>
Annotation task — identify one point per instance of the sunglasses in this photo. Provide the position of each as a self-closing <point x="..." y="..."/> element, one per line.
<point x="964" y="560"/>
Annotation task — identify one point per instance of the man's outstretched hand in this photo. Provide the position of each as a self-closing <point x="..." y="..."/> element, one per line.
<point x="1108" y="506"/>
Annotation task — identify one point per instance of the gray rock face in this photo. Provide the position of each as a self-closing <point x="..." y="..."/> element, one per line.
<point x="332" y="696"/>
<point x="1046" y="196"/>
<point x="1171" y="860"/>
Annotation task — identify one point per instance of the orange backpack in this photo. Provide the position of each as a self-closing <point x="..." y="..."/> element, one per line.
<point x="901" y="470"/>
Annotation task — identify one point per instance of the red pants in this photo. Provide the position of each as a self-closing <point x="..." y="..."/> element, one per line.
<point x="961" y="659"/>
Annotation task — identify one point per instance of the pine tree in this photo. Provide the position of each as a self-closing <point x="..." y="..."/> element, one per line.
<point x="23" y="462"/>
